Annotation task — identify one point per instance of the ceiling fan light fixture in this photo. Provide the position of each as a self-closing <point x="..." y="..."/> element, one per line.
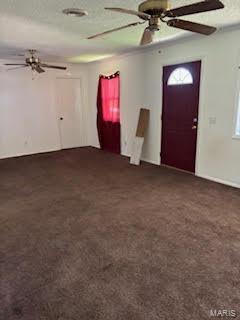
<point x="148" y="37"/>
<point x="75" y="12"/>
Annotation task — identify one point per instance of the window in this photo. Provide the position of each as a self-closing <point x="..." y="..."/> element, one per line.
<point x="237" y="129"/>
<point x="108" y="116"/>
<point x="110" y="98"/>
<point x="180" y="76"/>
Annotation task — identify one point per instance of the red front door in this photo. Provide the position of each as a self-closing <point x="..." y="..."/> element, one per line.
<point x="181" y="84"/>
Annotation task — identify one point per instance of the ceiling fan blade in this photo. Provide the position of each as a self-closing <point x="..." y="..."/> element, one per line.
<point x="19" y="67"/>
<point x="133" y="12"/>
<point x="147" y="37"/>
<point x="15" y="64"/>
<point x="53" y="67"/>
<point x="203" y="6"/>
<point x="38" y="69"/>
<point x="191" y="26"/>
<point x="116" y="29"/>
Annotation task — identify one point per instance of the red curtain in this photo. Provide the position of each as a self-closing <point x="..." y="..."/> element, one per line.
<point x="108" y="118"/>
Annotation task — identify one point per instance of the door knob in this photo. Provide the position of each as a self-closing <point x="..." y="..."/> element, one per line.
<point x="194" y="127"/>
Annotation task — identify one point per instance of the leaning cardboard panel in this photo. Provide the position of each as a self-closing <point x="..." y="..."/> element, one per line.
<point x="143" y="123"/>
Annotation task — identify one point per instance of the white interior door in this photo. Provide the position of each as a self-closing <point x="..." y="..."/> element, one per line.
<point x="68" y="108"/>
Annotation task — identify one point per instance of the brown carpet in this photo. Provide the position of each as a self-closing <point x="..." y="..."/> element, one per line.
<point x="86" y="236"/>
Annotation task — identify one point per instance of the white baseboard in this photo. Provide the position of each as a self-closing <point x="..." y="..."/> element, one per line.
<point x="156" y="163"/>
<point x="142" y="159"/>
<point x="25" y="154"/>
<point x="228" y="183"/>
<point x="31" y="153"/>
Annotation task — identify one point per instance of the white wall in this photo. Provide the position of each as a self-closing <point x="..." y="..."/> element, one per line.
<point x="28" y="118"/>
<point x="28" y="115"/>
<point x="218" y="155"/>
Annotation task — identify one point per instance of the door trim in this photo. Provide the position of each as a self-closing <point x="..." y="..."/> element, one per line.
<point x="202" y="91"/>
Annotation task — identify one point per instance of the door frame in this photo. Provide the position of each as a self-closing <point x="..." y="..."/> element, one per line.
<point x="81" y="118"/>
<point x="169" y="62"/>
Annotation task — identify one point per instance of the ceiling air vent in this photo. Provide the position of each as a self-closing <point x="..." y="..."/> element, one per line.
<point x="74" y="12"/>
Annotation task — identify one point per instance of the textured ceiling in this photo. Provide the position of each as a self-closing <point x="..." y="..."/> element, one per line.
<point x="40" y="24"/>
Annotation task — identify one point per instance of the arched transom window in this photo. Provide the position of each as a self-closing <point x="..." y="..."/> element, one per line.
<point x="180" y="76"/>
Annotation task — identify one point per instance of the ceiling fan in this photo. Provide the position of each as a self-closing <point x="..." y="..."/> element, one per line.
<point x="156" y="11"/>
<point x="34" y="63"/>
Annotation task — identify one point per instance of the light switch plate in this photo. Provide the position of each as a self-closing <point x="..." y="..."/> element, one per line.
<point x="212" y="120"/>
